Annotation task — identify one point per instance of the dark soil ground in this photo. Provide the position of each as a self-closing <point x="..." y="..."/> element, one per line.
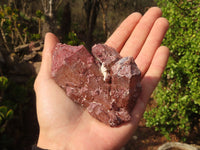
<point x="146" y="139"/>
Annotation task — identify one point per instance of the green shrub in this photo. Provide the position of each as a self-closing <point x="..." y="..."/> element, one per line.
<point x="177" y="95"/>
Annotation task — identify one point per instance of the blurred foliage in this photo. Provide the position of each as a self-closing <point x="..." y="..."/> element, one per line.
<point x="39" y="13"/>
<point x="3" y="83"/>
<point x="13" y="100"/>
<point x="72" y="39"/>
<point x="177" y="95"/>
<point x="35" y="37"/>
<point x="5" y="115"/>
<point x="16" y="26"/>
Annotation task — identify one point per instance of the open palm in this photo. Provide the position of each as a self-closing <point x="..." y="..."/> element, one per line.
<point x="64" y="124"/>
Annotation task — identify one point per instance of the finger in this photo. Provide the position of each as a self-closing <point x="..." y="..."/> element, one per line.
<point x="151" y="44"/>
<point x="122" y="33"/>
<point x="136" y="40"/>
<point x="49" y="44"/>
<point x="150" y="81"/>
<point x="154" y="73"/>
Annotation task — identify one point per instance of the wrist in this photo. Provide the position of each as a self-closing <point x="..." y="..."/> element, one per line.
<point x="35" y="147"/>
<point x="50" y="141"/>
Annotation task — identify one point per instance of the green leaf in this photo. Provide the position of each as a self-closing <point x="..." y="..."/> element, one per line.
<point x="9" y="114"/>
<point x="2" y="115"/>
<point x="3" y="83"/>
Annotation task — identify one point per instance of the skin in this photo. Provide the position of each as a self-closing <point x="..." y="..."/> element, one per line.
<point x="64" y="125"/>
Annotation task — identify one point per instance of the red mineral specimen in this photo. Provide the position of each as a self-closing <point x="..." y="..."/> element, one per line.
<point x="106" y="84"/>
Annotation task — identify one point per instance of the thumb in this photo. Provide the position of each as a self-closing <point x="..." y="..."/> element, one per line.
<point x="49" y="44"/>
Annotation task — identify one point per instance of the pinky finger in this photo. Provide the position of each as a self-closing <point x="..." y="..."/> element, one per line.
<point x="150" y="81"/>
<point x="154" y="73"/>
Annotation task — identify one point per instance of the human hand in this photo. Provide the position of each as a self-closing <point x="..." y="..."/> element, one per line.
<point x="64" y="124"/>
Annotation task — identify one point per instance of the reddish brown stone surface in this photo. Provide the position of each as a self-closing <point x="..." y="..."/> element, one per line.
<point x="106" y="84"/>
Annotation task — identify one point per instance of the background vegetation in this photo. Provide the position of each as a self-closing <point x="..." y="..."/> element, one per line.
<point x="177" y="96"/>
<point x="23" y="24"/>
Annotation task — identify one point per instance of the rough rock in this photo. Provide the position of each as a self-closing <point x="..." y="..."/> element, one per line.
<point x="103" y="82"/>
